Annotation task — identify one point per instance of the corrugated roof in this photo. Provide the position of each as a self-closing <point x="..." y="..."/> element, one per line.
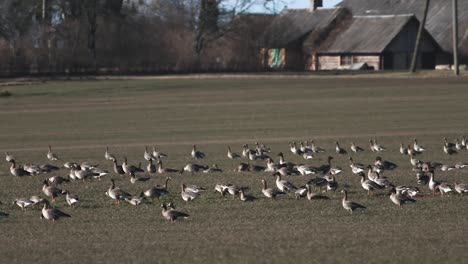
<point x="438" y="23"/>
<point x="367" y="34"/>
<point x="293" y="24"/>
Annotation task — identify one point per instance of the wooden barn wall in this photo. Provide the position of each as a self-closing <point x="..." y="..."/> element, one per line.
<point x="332" y="62"/>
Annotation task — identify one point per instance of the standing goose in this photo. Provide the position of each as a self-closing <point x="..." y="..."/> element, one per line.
<point x="196" y="154"/>
<point x="109" y="156"/>
<point x="171" y="214"/>
<point x="461" y="188"/>
<point x="72" y="199"/>
<point x="369" y="185"/>
<point x="116" y="193"/>
<point x="232" y="155"/>
<point x="340" y="150"/>
<point x="51" y="191"/>
<point x="328" y="168"/>
<point x="314" y="196"/>
<point x="434" y="185"/>
<point x="52" y="213"/>
<point x="284" y="185"/>
<point x="165" y="170"/>
<point x="51" y="155"/>
<point x="158" y="154"/>
<point x="350" y="205"/>
<point x="129" y="169"/>
<point x="18" y="172"/>
<point x="448" y="150"/>
<point x="400" y="199"/>
<point x="136" y="200"/>
<point x="269" y="192"/>
<point x="148" y="156"/>
<point x="355" y="148"/>
<point x="403" y="150"/>
<point x="417" y="147"/>
<point x="188" y="195"/>
<point x="315" y="148"/>
<point x="151" y="168"/>
<point x="376" y="147"/>
<point x="118" y="168"/>
<point x="356" y="168"/>
<point x="9" y="157"/>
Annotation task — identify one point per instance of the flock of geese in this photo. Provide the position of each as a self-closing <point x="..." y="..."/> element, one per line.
<point x="324" y="176"/>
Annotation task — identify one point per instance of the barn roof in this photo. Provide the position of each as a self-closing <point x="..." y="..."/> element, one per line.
<point x="439" y="19"/>
<point x="292" y="24"/>
<point x="366" y="34"/>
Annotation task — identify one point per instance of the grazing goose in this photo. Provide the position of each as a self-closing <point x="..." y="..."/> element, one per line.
<point x="57" y="180"/>
<point x="134" y="178"/>
<point x="315" y="148"/>
<point x="151" y="168"/>
<point x="284" y="185"/>
<point x="23" y="202"/>
<point x="188" y="195"/>
<point x="36" y="199"/>
<point x="212" y="169"/>
<point x="314" y="196"/>
<point x="246" y="198"/>
<point x="444" y="188"/>
<point x="129" y="169"/>
<point x="355" y="148"/>
<point x="18" y="172"/>
<point x="51" y="191"/>
<point x="305" y="169"/>
<point x="399" y="198"/>
<point x="385" y="164"/>
<point x="318" y="182"/>
<point x="158" y="154"/>
<point x="350" y="205"/>
<point x="340" y="150"/>
<point x="284" y="171"/>
<point x="109" y="156"/>
<point x="51" y="155"/>
<point x="369" y="185"/>
<point x="136" y="200"/>
<point x="460" y="165"/>
<point x="461" y="188"/>
<point x="9" y="157"/>
<point x="301" y="192"/>
<point x="193" y="168"/>
<point x="221" y="188"/>
<point x="408" y="190"/>
<point x="117" y="168"/>
<point x="148" y="156"/>
<point x="446" y="167"/>
<point x="417" y="147"/>
<point x="232" y="155"/>
<point x="242" y="167"/>
<point x="171" y="214"/>
<point x="116" y="193"/>
<point x="161" y="169"/>
<point x="196" y="154"/>
<point x="270" y="192"/>
<point x="52" y="213"/>
<point x="72" y="199"/>
<point x="157" y="191"/>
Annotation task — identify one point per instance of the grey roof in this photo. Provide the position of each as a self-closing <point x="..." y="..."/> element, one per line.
<point x="439" y="20"/>
<point x="366" y="34"/>
<point x="292" y="24"/>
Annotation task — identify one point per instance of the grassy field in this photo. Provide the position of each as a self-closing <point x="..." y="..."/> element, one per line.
<point x="80" y="118"/>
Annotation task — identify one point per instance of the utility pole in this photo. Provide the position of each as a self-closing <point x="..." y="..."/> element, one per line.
<point x="418" y="38"/>
<point x="455" y="37"/>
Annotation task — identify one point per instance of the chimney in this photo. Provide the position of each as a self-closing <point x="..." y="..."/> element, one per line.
<point x="314" y="4"/>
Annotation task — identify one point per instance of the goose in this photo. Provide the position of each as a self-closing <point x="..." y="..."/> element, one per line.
<point x="148" y="156"/>
<point x="246" y="198"/>
<point x="444" y="188"/>
<point x="118" y="168"/>
<point x="51" y="191"/>
<point x="232" y="155"/>
<point x="172" y="215"/>
<point x="314" y="196"/>
<point x="197" y="154"/>
<point x="52" y="213"/>
<point x="71" y="165"/>
<point x="9" y="157"/>
<point x="307" y="156"/>
<point x="448" y="150"/>
<point x="305" y="148"/>
<point x="400" y="199"/>
<point x="271" y="165"/>
<point x="403" y="150"/>
<point x="162" y="170"/>
<point x="385" y="164"/>
<point x="128" y="169"/>
<point x="136" y="200"/>
<point x="356" y="168"/>
<point x="422" y="177"/>
<point x="446" y="167"/>
<point x="33" y="169"/>
<point x="18" y="172"/>
<point x="433" y="184"/>
<point x="116" y="193"/>
<point x="81" y="174"/>
<point x="257" y="156"/>
<point x="332" y="184"/>
<point x="57" y="180"/>
<point x="36" y="199"/>
<point x="283" y="163"/>
<point x="355" y="148"/>
<point x="246" y="151"/>
<point x="212" y="169"/>
<point x="371" y="174"/>
<point x="460" y="165"/>
<point x="255" y="168"/>
<point x="461" y="188"/>
<point x="294" y="150"/>
<point x="284" y="171"/>
<point x="158" y="154"/>
<point x="270" y="192"/>
<point x="23" y="202"/>
<point x="369" y="185"/>
<point x="301" y="192"/>
<point x="151" y="168"/>
<point x="86" y="165"/>
<point x="188" y="195"/>
<point x="315" y="148"/>
<point x="261" y="149"/>
<point x="376" y="147"/>
<point x="383" y="182"/>
<point x="408" y="190"/>
<point x="339" y="150"/>
<point x="48" y="168"/>
<point x="51" y="155"/>
<point x="414" y="161"/>
<point x="193" y="168"/>
<point x="109" y="156"/>
<point x="221" y="188"/>
<point x="72" y="199"/>
<point x="458" y="145"/>
<point x="242" y="167"/>
<point x="157" y="191"/>
<point x="350" y="205"/>
<point x="318" y="182"/>
<point x="463" y="142"/>
<point x="449" y="144"/>
<point x="233" y="189"/>
<point x="284" y="185"/>
<point x="305" y="169"/>
<point x="417" y="147"/>
<point x="134" y="178"/>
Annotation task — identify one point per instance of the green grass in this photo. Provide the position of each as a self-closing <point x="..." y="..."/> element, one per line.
<point x="80" y="118"/>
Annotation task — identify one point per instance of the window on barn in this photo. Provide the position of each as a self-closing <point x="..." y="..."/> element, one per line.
<point x="346" y="60"/>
